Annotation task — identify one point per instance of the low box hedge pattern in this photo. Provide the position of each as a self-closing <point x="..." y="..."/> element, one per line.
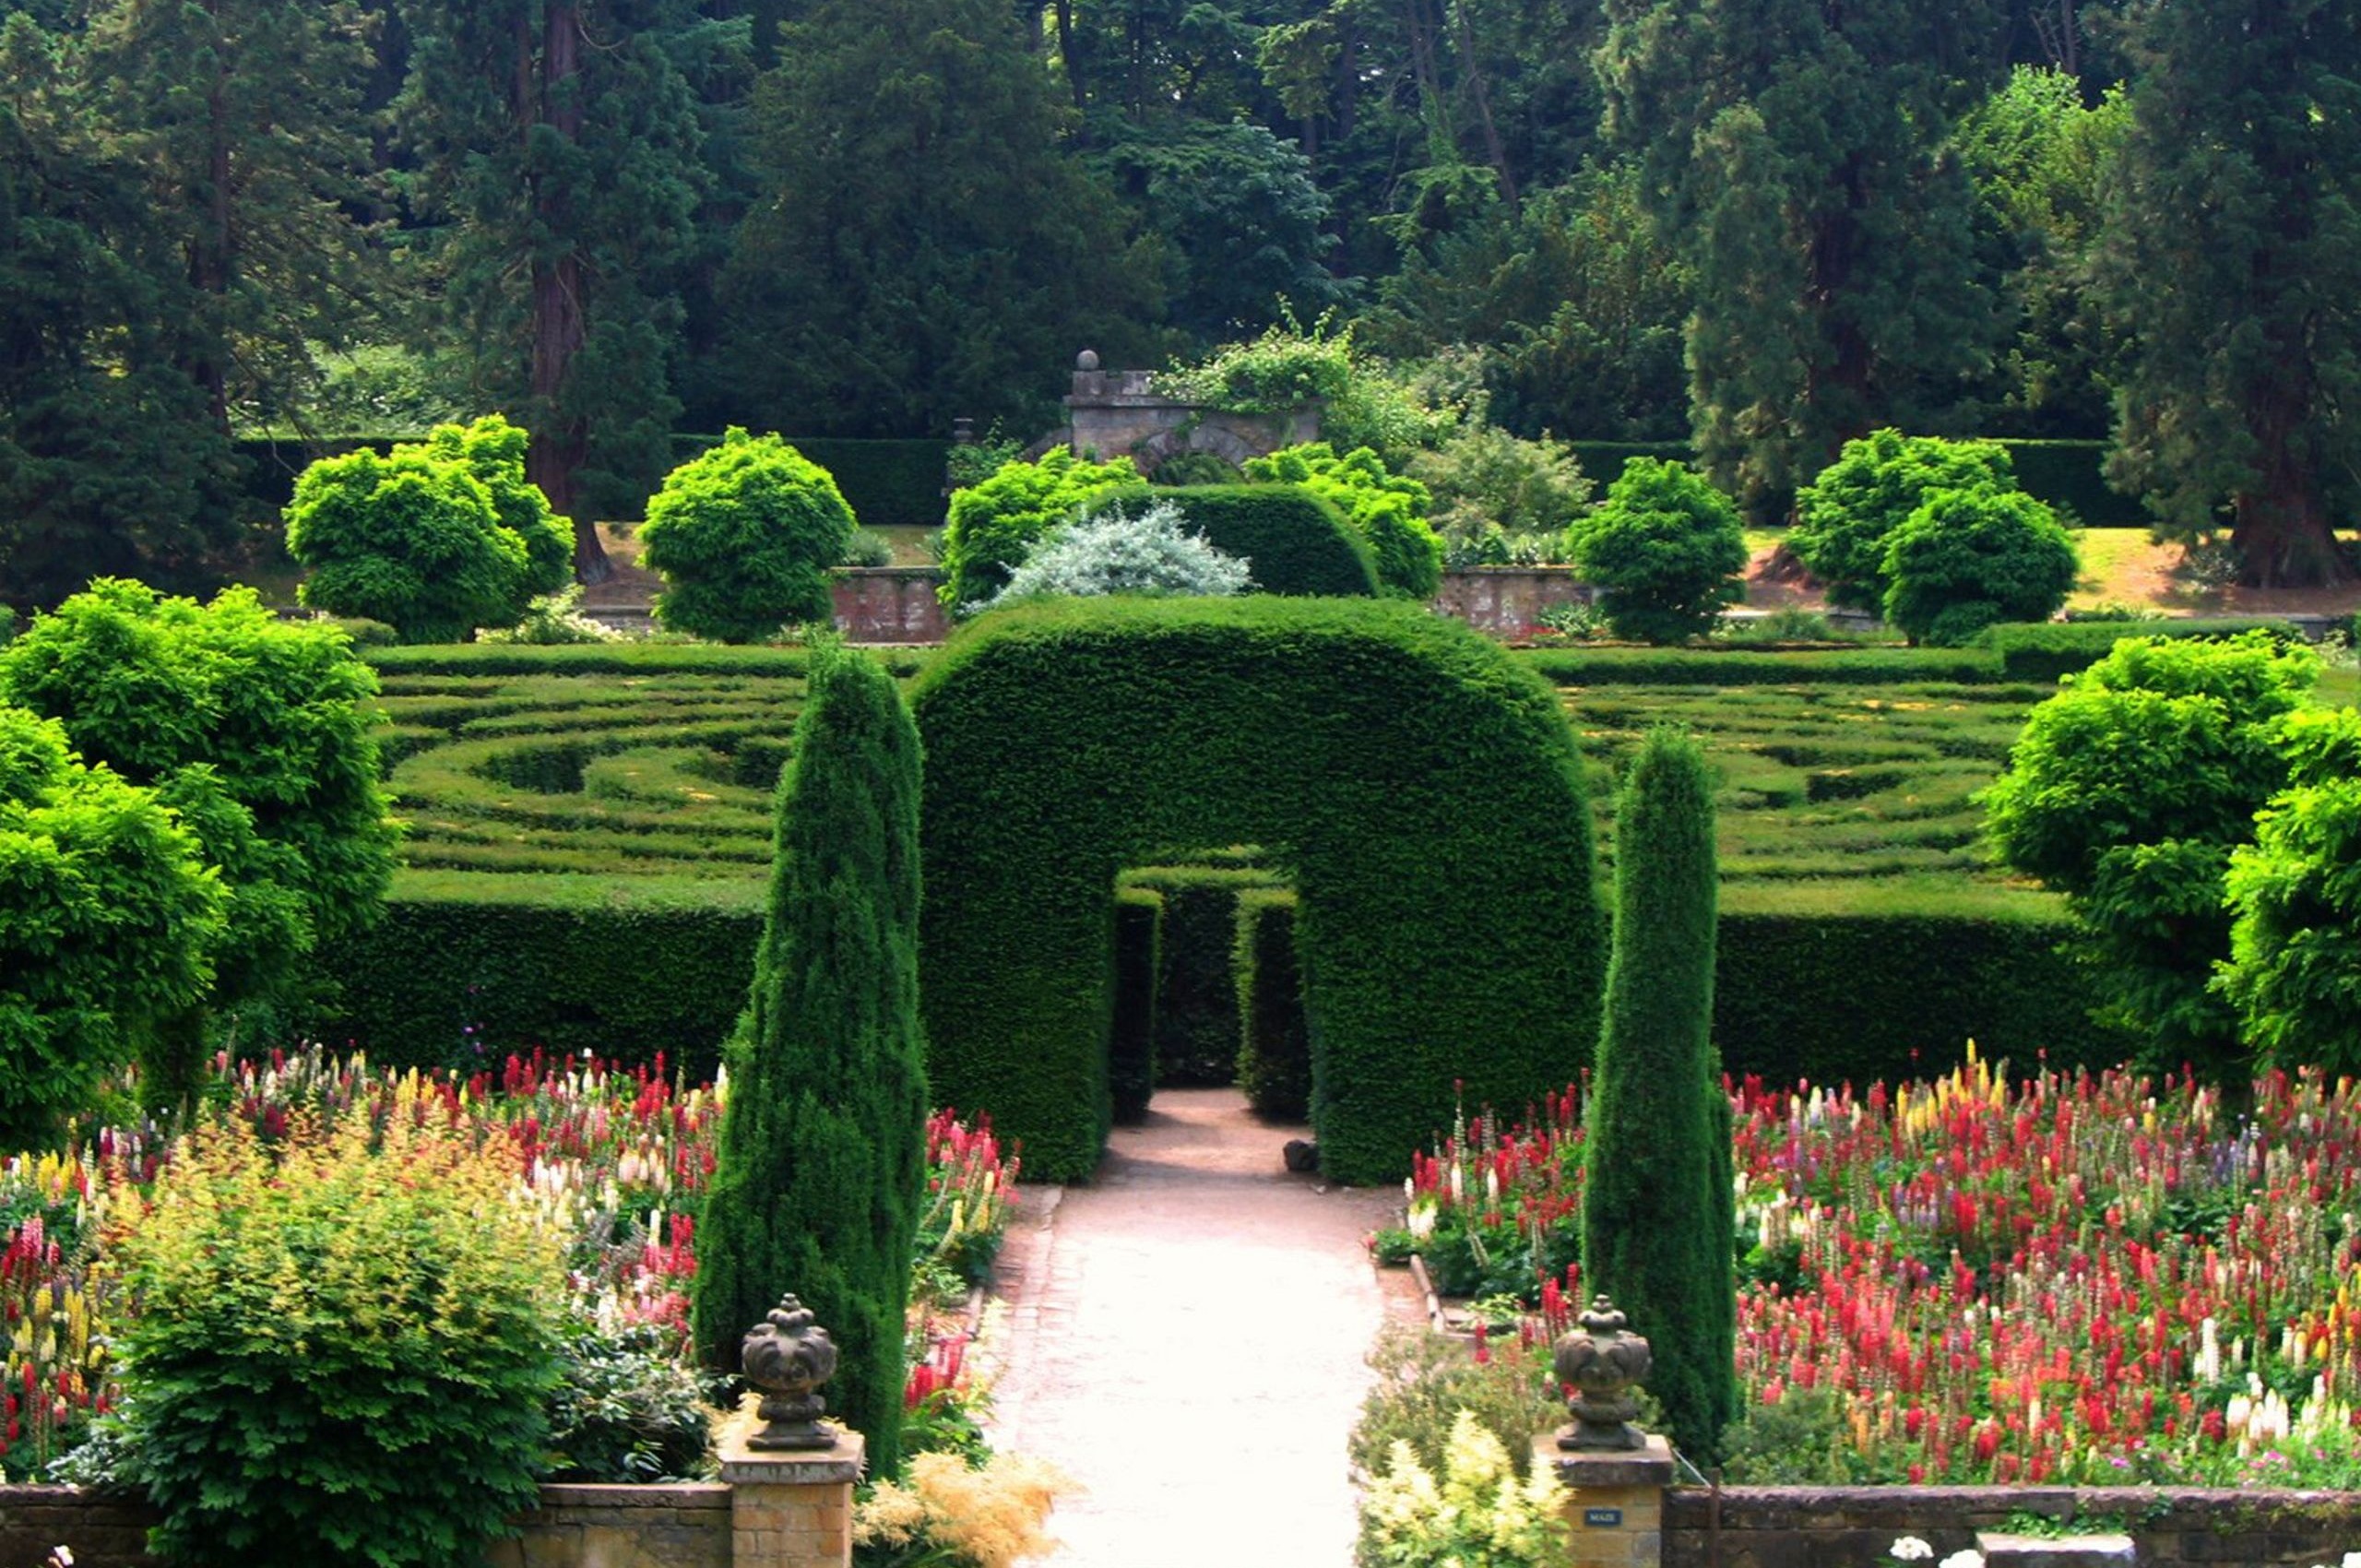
<point x="1423" y="790"/>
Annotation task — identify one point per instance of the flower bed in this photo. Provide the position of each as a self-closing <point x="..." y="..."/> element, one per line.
<point x="617" y="1159"/>
<point x="2094" y="1279"/>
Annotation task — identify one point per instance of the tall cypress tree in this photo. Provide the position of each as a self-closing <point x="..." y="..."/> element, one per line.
<point x="1657" y="1217"/>
<point x="822" y="1147"/>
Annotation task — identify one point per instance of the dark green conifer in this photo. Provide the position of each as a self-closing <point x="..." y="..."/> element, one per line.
<point x="822" y="1146"/>
<point x="1656" y="1204"/>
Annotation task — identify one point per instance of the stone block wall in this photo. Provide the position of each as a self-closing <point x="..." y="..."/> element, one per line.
<point x="889" y="604"/>
<point x="1507" y="601"/>
<point x="1852" y="1526"/>
<point x="685" y="1525"/>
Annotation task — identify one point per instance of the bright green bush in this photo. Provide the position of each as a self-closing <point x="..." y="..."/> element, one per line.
<point x="2127" y="792"/>
<point x="993" y="524"/>
<point x="1294" y="542"/>
<point x="1968" y="558"/>
<point x="2044" y="650"/>
<point x="1656" y="1199"/>
<point x="434" y="538"/>
<point x="343" y="1351"/>
<point x="1389" y="510"/>
<point x="1423" y="788"/>
<point x="1665" y="550"/>
<point x="258" y="730"/>
<point x="1846" y="515"/>
<point x="1275" y="1039"/>
<point x="744" y="535"/>
<point x="494" y="450"/>
<point x="2295" y="965"/>
<point x="823" y="1148"/>
<point x="107" y="921"/>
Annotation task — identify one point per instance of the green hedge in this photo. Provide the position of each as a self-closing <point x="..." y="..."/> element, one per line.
<point x="1196" y="996"/>
<point x="1831" y="995"/>
<point x="1131" y="1033"/>
<point x="2072" y="474"/>
<point x="1422" y="788"/>
<point x="1275" y="1039"/>
<point x="1737" y="667"/>
<point x="1296" y="542"/>
<point x="464" y="968"/>
<point x="2043" y="650"/>
<point x="1603" y="461"/>
<point x="887" y="484"/>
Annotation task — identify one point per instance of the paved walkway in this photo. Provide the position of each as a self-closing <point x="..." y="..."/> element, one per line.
<point x="1184" y="1338"/>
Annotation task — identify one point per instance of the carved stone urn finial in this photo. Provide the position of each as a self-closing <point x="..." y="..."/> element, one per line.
<point x="788" y="1356"/>
<point x="1601" y="1363"/>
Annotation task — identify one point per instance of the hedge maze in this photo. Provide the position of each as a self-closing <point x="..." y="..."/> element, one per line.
<point x="578" y="762"/>
<point x="589" y="833"/>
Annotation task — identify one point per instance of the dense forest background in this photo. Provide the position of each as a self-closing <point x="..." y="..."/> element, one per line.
<point x="1762" y="225"/>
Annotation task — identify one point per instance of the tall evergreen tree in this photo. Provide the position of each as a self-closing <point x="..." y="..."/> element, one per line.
<point x="927" y="244"/>
<point x="1793" y="155"/>
<point x="244" y="118"/>
<point x="822" y="1147"/>
<point x="563" y="139"/>
<point x="2231" y="254"/>
<point x="109" y="460"/>
<point x="1657" y="1215"/>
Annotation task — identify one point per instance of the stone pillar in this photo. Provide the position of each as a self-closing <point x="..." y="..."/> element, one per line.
<point x="792" y="1508"/>
<point x="1614" y="1501"/>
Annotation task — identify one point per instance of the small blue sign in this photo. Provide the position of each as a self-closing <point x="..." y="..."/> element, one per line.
<point x="1605" y="1518"/>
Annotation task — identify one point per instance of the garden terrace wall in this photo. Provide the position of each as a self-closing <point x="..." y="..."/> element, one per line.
<point x="1853" y="1527"/>
<point x="685" y="1525"/>
<point x="1509" y="602"/>
<point x="889" y="604"/>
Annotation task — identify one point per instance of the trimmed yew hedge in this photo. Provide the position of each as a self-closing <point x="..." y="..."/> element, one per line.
<point x="1130" y="1034"/>
<point x="1197" y="997"/>
<point x="1296" y="542"/>
<point x="1832" y="994"/>
<point x="465" y="967"/>
<point x="1422" y="788"/>
<point x="1274" y="1038"/>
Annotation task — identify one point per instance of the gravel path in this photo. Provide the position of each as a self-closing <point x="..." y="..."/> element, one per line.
<point x="1185" y="1336"/>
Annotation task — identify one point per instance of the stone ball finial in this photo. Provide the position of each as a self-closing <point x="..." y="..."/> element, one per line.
<point x="786" y="1356"/>
<point x="1086" y="359"/>
<point x="1602" y="1363"/>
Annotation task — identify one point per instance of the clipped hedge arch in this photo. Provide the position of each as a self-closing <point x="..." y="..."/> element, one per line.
<point x="1422" y="790"/>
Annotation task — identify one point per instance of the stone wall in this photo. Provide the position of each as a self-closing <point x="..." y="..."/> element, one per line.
<point x="889" y="604"/>
<point x="1115" y="414"/>
<point x="897" y="604"/>
<point x="1852" y="1526"/>
<point x="685" y="1525"/>
<point x="1507" y="601"/>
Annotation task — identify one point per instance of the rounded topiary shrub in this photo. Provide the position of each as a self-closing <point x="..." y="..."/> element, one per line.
<point x="1968" y="558"/>
<point x="744" y="535"/>
<point x="343" y="1351"/>
<point x="1665" y="550"/>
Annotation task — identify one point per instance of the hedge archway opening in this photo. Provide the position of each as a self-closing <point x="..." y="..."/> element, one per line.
<point x="1421" y="790"/>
